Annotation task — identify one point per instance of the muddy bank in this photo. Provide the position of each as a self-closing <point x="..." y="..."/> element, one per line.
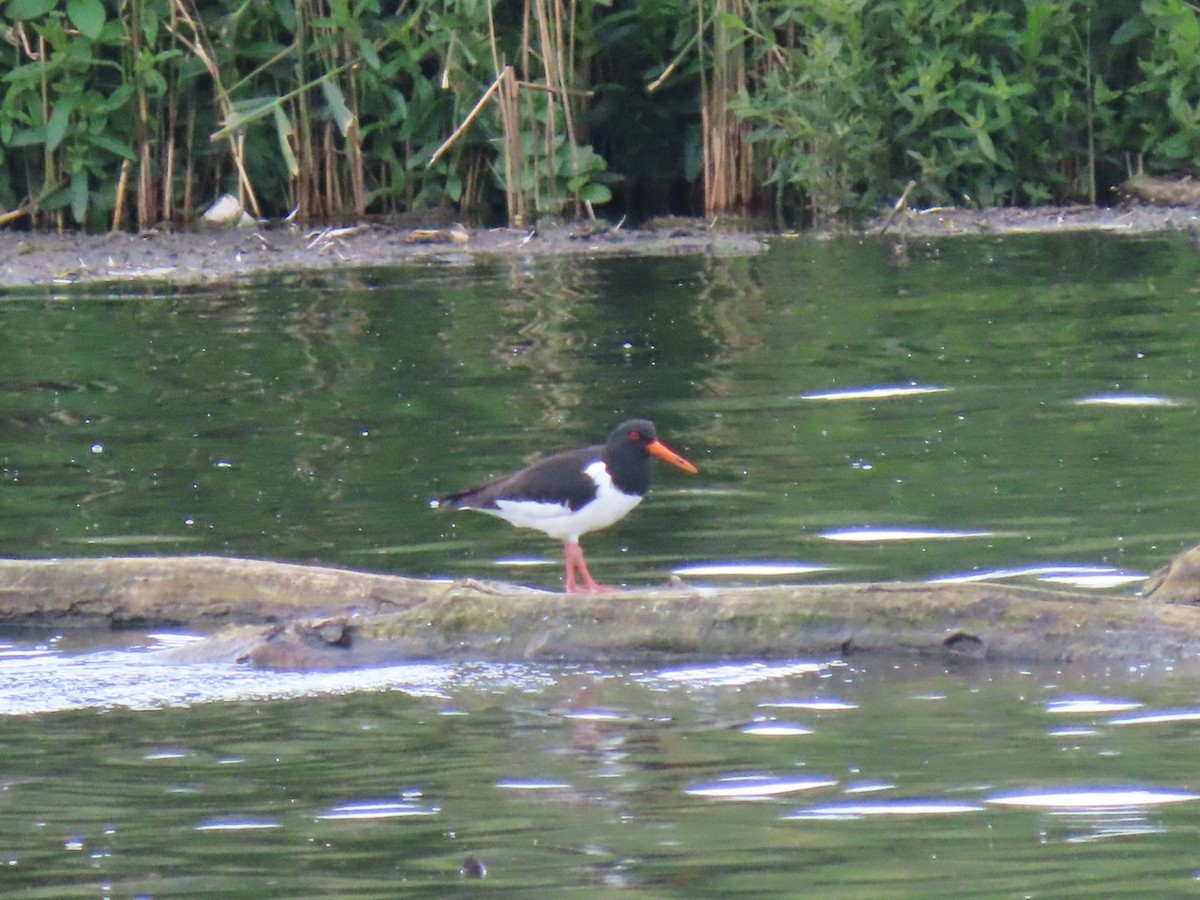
<point x="226" y="254"/>
<point x="219" y="255"/>
<point x="276" y="615"/>
<point x="951" y="221"/>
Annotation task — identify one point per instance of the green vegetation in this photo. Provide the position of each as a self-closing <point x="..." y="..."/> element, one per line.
<point x="127" y="113"/>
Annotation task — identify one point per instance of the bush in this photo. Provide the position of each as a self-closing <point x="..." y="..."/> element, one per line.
<point x="129" y="112"/>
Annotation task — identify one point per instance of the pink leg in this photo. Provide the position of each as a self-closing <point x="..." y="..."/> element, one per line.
<point x="574" y="559"/>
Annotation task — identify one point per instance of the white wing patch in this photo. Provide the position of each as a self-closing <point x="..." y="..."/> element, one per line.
<point x="559" y="520"/>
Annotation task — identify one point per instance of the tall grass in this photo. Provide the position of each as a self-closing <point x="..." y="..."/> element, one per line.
<point x="128" y="113"/>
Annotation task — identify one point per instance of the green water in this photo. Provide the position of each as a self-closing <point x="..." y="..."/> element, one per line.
<point x="314" y="419"/>
<point x="608" y="783"/>
<point x="1024" y="407"/>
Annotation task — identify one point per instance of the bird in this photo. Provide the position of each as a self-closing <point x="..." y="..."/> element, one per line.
<point x="571" y="493"/>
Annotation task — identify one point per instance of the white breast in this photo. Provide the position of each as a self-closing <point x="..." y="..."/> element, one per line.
<point x="559" y="521"/>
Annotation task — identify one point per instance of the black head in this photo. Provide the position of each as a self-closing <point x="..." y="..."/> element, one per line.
<point x="636" y="438"/>
<point x="633" y="431"/>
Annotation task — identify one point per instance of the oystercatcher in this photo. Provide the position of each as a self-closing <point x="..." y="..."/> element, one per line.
<point x="577" y="491"/>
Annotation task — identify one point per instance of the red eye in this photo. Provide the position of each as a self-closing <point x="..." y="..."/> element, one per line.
<point x="635" y="435"/>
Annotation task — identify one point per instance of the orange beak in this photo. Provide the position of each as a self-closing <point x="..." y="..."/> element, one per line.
<point x="666" y="454"/>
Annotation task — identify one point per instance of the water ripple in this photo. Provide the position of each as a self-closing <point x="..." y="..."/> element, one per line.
<point x="377" y="809"/>
<point x="1136" y="400"/>
<point x="1094" y="576"/>
<point x="1089" y="706"/>
<point x="236" y="824"/>
<point x="756" y="787"/>
<point x="876" y="393"/>
<point x="1158" y="718"/>
<point x="744" y="569"/>
<point x="776" y="729"/>
<point x="739" y="674"/>
<point x="815" y="703"/>
<point x="1092" y="799"/>
<point x="873" y="535"/>
<point x="850" y="811"/>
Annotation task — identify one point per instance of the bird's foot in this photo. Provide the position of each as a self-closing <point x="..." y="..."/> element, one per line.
<point x="576" y="566"/>
<point x="589" y="588"/>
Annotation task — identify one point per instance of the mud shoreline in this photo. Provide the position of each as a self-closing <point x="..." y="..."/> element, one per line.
<point x="228" y="255"/>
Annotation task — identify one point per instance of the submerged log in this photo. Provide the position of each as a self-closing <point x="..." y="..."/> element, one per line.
<point x="1176" y="582"/>
<point x="195" y="591"/>
<point x="277" y="615"/>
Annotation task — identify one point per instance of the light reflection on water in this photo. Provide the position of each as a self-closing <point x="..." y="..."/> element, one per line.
<point x="745" y="569"/>
<point x="558" y="778"/>
<point x="995" y="409"/>
<point x="1110" y="799"/>
<point x="366" y="810"/>
<point x="1132" y="400"/>
<point x="756" y="787"/>
<point x="853" y="811"/>
<point x="875" y="393"/>
<point x="869" y="535"/>
<point x="41" y="680"/>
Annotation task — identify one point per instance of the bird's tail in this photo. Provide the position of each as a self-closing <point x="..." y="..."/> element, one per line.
<point x="451" y="502"/>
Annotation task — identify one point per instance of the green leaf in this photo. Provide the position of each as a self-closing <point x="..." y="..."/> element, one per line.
<point x="454" y="187"/>
<point x="286" y="11"/>
<point x="87" y="16"/>
<point x="79" y="196"/>
<point x="112" y="145"/>
<point x="1175" y="147"/>
<point x="114" y="101"/>
<point x="29" y="9"/>
<point x="283" y="128"/>
<point x="369" y="53"/>
<point x="56" y="199"/>
<point x="56" y="128"/>
<point x="245" y="113"/>
<point x="1130" y="29"/>
<point x="337" y="105"/>
<point x="596" y="193"/>
<point x="985" y="144"/>
<point x="27" y="137"/>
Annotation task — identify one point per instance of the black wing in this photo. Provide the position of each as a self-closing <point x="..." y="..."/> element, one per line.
<point x="557" y="479"/>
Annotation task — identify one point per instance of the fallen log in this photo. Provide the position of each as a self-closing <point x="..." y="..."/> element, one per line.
<point x="278" y="615"/>
<point x="203" y="592"/>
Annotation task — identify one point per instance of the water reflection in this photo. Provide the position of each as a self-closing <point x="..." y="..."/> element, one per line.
<point x="1158" y="718"/>
<point x="871" y="535"/>
<point x="1087" y="706"/>
<point x="46" y="681"/>
<point x="996" y="408"/>
<point x="1098" y="577"/>
<point x="581" y="777"/>
<point x="312" y="418"/>
<point x="774" y="728"/>
<point x="818" y="704"/>
<point x="875" y="393"/>
<point x="1093" y="799"/>
<point x="756" y="787"/>
<point x="724" y="675"/>
<point x="1134" y="400"/>
<point x="841" y="812"/>
<point x="237" y="825"/>
<point x="509" y="784"/>
<point x="370" y="810"/>
<point x="767" y="570"/>
<point x="869" y="787"/>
